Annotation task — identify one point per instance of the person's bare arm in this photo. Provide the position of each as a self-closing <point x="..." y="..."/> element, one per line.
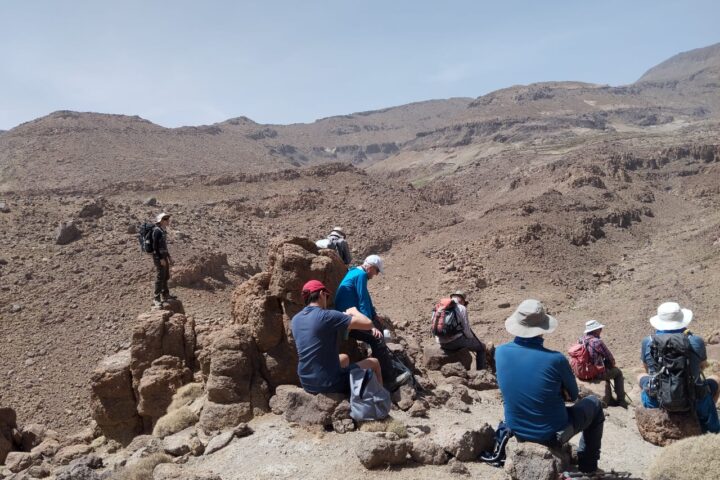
<point x="361" y="322"/>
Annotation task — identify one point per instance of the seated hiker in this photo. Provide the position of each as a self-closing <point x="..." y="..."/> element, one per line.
<point x="674" y="353"/>
<point x="598" y="363"/>
<point x="353" y="292"/>
<point x="315" y="329"/>
<point x="535" y="384"/>
<point x="336" y="241"/>
<point x="464" y="337"/>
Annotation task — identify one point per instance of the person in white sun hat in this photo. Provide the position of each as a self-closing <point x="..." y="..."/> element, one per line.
<point x="674" y="359"/>
<point x="604" y="362"/>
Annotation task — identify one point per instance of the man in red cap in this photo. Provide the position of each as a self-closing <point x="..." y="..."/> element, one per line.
<point x="315" y="329"/>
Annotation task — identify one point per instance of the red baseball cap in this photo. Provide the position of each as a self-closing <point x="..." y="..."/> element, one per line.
<point x="311" y="287"/>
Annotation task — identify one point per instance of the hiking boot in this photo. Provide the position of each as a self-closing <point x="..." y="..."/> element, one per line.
<point x="399" y="381"/>
<point x="157" y="302"/>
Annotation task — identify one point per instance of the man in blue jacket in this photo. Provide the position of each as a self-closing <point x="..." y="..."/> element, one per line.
<point x="353" y="292"/>
<point x="536" y="382"/>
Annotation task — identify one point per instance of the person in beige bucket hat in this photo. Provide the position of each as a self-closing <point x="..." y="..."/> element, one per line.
<point x="535" y="383"/>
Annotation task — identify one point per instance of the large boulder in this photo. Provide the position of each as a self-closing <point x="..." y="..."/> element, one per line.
<point x="266" y="302"/>
<point x="427" y="452"/>
<point x="532" y="461"/>
<point x="236" y="389"/>
<point x="695" y="457"/>
<point x="662" y="428"/>
<point x="158" y="333"/>
<point x="298" y="406"/>
<point x="8" y="433"/>
<point x="158" y="385"/>
<point x="113" y="401"/>
<point x="377" y="452"/>
<point x="466" y="444"/>
<point x="435" y="357"/>
<point x="197" y="270"/>
<point x="66" y="232"/>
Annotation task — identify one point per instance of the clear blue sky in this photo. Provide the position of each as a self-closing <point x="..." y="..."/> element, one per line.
<point x="196" y="62"/>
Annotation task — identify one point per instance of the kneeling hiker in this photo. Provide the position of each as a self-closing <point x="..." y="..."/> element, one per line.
<point x="591" y="360"/>
<point x="674" y="358"/>
<point x="315" y="330"/>
<point x="459" y="335"/>
<point x="535" y="383"/>
<point x="336" y="241"/>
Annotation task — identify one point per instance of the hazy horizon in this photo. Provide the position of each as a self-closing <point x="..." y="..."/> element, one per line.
<point x="182" y="63"/>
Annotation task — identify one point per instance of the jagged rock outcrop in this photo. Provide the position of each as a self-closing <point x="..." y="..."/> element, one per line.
<point x="662" y="428"/>
<point x="113" y="399"/>
<point x="266" y="302"/>
<point x="200" y="271"/>
<point x="532" y="461"/>
<point x="236" y="389"/>
<point x="133" y="388"/>
<point x="9" y="435"/>
<point x="298" y="406"/>
<point x="158" y="385"/>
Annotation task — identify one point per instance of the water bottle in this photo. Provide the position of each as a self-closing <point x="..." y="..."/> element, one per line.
<point x="387" y="335"/>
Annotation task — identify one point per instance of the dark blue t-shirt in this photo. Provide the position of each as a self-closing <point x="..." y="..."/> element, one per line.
<point x="531" y="379"/>
<point x="316" y="335"/>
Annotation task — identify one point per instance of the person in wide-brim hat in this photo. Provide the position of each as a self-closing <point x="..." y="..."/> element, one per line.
<point x="530" y="320"/>
<point x="670" y="316"/>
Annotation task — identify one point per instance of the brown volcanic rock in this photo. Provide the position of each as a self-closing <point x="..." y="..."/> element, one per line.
<point x="194" y="271"/>
<point x="255" y="307"/>
<point x="662" y="428"/>
<point x="158" y="385"/>
<point x="235" y="387"/>
<point x="159" y="333"/>
<point x="113" y="399"/>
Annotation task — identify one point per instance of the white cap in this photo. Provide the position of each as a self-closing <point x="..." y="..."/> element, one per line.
<point x="160" y="216"/>
<point x="374" y="261"/>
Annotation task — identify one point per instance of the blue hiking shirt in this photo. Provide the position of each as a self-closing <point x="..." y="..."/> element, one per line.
<point x="315" y="331"/>
<point x="353" y="292"/>
<point x="531" y="380"/>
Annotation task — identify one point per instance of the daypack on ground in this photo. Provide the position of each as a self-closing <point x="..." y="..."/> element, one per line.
<point x="445" y="320"/>
<point x="582" y="363"/>
<point x="368" y="399"/>
<point x="145" y="237"/>
<point x="672" y="384"/>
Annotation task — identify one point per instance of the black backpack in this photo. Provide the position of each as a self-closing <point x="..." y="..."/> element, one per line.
<point x="496" y="456"/>
<point x="445" y="320"/>
<point x="672" y="383"/>
<point x="145" y="237"/>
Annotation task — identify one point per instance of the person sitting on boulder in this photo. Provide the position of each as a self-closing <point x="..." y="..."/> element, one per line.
<point x="315" y="329"/>
<point x="600" y="355"/>
<point x="353" y="292"/>
<point x="672" y="334"/>
<point x="336" y="241"/>
<point x="535" y="384"/>
<point x="162" y="259"/>
<point x="466" y="338"/>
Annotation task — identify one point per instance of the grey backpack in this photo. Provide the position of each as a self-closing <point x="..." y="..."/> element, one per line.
<point x="368" y="399"/>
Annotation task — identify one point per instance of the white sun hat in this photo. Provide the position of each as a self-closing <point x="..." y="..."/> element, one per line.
<point x="375" y="261"/>
<point x="592" y="325"/>
<point x="671" y="317"/>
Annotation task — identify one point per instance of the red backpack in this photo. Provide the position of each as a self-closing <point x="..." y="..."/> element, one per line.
<point x="445" y="320"/>
<point x="582" y="363"/>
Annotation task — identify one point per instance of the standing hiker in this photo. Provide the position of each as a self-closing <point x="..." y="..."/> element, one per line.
<point x="162" y="259"/>
<point x="600" y="363"/>
<point x="674" y="359"/>
<point x="535" y="384"/>
<point x="336" y="241"/>
<point x="353" y="292"/>
<point x="465" y="338"/>
<point x="315" y="329"/>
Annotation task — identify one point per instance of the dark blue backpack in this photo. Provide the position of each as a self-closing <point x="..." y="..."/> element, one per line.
<point x="496" y="457"/>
